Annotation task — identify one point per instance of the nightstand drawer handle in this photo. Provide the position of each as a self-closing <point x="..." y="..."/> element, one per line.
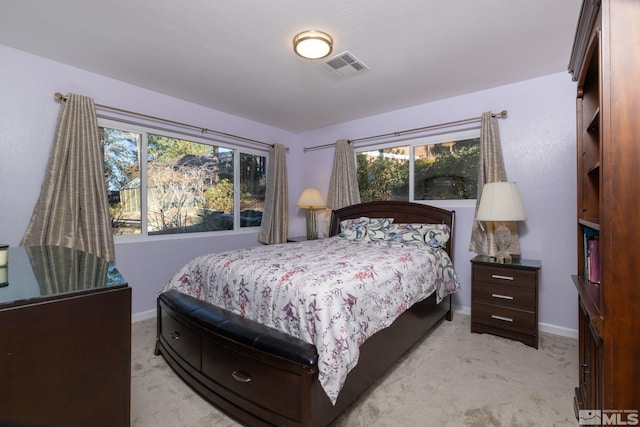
<point x="504" y="319"/>
<point x="175" y="335"/>
<point x="501" y="296"/>
<point x="240" y="376"/>
<point x="497" y="276"/>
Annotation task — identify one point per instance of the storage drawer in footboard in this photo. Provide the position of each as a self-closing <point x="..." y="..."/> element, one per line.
<point x="181" y="340"/>
<point x="269" y="385"/>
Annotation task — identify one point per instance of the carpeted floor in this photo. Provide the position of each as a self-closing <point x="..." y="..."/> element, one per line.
<point x="452" y="378"/>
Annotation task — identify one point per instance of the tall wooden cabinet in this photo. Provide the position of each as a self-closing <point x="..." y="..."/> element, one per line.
<point x="605" y="63"/>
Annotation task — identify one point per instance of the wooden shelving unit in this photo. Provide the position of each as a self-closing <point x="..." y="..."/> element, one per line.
<point x="605" y="63"/>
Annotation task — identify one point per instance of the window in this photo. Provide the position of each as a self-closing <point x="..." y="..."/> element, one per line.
<point x="440" y="167"/>
<point x="185" y="184"/>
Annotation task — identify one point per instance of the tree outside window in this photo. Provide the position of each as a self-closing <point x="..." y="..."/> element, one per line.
<point x="189" y="186"/>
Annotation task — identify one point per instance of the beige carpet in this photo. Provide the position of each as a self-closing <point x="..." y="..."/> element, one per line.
<point x="452" y="378"/>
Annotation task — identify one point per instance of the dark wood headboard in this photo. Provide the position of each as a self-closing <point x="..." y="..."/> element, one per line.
<point x="401" y="212"/>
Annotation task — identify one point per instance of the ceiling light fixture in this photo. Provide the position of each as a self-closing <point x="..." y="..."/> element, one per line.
<point x="313" y="44"/>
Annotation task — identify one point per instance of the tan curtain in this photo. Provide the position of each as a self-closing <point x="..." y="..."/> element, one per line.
<point x="491" y="169"/>
<point x="72" y="210"/>
<point x="343" y="185"/>
<point x="275" y="219"/>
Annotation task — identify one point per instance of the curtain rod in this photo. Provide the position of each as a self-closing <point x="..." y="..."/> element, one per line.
<point x="500" y="115"/>
<point x="62" y="97"/>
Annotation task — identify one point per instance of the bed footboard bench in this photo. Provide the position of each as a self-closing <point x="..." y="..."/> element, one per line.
<point x="234" y="362"/>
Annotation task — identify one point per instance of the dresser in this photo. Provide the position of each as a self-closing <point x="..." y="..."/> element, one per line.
<point x="65" y="340"/>
<point x="504" y="298"/>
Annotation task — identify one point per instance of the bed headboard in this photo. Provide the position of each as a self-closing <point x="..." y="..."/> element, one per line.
<point x="401" y="212"/>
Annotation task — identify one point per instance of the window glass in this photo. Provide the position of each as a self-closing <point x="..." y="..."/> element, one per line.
<point x="383" y="174"/>
<point x="439" y="167"/>
<point x="122" y="173"/>
<point x="447" y="170"/>
<point x="184" y="186"/>
<point x="253" y="181"/>
<point x="190" y="186"/>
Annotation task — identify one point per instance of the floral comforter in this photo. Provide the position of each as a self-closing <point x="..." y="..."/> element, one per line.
<point x="332" y="292"/>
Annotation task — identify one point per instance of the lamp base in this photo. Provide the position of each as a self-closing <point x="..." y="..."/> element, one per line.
<point x="503" y="258"/>
<point x="312" y="225"/>
<point x="503" y="239"/>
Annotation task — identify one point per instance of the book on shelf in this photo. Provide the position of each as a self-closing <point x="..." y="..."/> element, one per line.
<point x="591" y="255"/>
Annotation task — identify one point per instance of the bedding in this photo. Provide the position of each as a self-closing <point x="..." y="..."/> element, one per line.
<point x="333" y="293"/>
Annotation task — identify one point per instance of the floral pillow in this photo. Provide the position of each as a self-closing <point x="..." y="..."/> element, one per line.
<point x="365" y="229"/>
<point x="377" y="229"/>
<point x="434" y="235"/>
<point x="354" y="229"/>
<point x="404" y="234"/>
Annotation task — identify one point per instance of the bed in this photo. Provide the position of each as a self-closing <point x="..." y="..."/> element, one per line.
<point x="257" y="371"/>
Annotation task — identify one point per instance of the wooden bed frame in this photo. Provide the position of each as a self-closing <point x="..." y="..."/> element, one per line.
<point x="261" y="376"/>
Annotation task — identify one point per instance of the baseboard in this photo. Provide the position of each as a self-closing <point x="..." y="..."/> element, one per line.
<point x="542" y="327"/>
<point x="558" y="330"/>
<point x="149" y="314"/>
<point x="462" y="310"/>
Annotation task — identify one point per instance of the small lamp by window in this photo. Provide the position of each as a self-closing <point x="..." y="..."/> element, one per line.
<point x="500" y="202"/>
<point x="311" y="199"/>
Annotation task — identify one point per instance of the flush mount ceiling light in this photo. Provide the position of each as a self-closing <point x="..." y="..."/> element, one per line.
<point x="313" y="44"/>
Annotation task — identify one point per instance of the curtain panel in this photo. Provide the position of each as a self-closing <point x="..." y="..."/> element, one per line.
<point x="491" y="169"/>
<point x="275" y="219"/>
<point x="343" y="184"/>
<point x="72" y="209"/>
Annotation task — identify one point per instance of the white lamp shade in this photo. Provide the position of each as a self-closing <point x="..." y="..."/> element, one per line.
<point x="500" y="201"/>
<point x="311" y="198"/>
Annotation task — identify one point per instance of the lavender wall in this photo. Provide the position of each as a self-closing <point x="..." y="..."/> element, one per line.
<point x="538" y="141"/>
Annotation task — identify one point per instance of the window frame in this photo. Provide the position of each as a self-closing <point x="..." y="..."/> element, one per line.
<point x="413" y="142"/>
<point x="144" y="130"/>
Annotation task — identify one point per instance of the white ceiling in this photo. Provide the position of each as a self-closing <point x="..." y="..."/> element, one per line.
<point x="236" y="55"/>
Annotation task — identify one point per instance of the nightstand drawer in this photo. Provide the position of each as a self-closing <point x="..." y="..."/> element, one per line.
<point x="500" y="317"/>
<point x="505" y="295"/>
<point x="505" y="275"/>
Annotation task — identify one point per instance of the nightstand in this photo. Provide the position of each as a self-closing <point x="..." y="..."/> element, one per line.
<point x="504" y="298"/>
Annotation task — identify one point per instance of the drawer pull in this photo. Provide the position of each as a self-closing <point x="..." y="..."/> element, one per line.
<point x="498" y="276"/>
<point x="504" y="319"/>
<point x="240" y="376"/>
<point x="175" y="335"/>
<point x="501" y="296"/>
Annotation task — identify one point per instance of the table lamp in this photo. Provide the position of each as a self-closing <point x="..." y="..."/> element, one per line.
<point x="500" y="202"/>
<point x="311" y="199"/>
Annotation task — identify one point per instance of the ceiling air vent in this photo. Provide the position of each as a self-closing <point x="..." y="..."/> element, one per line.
<point x="344" y="65"/>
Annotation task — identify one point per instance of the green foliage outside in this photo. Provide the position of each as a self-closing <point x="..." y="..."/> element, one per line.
<point x="220" y="196"/>
<point x="164" y="148"/>
<point x="446" y="174"/>
<point x="382" y="179"/>
<point x="450" y="176"/>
